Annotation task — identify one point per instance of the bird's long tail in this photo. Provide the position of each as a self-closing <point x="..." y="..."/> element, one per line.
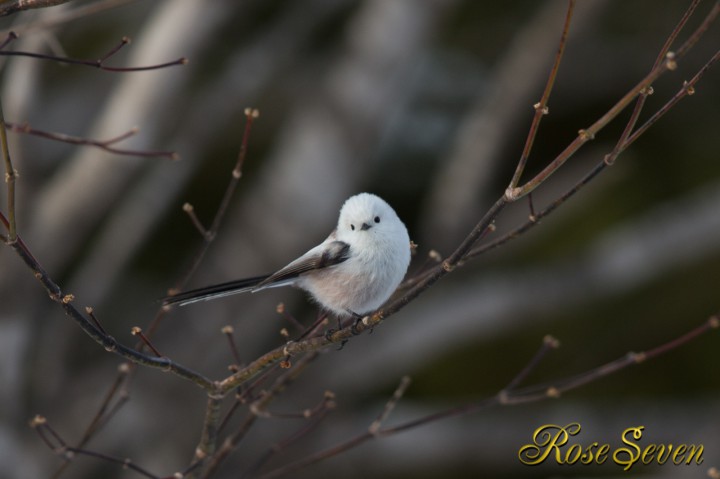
<point x="215" y="291"/>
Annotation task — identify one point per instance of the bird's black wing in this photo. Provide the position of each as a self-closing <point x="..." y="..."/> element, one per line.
<point x="215" y="291"/>
<point x="322" y="256"/>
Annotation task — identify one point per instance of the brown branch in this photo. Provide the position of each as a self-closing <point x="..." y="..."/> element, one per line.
<point x="587" y="134"/>
<point x="8" y="7"/>
<point x="541" y="108"/>
<point x="103" y="414"/>
<point x="10" y="177"/>
<point x="100" y="62"/>
<point x="55" y="443"/>
<point x="106" y="145"/>
<point x="610" y="158"/>
<point x="508" y="396"/>
<point x="209" y="236"/>
<point x="316" y="416"/>
<point x="279" y="385"/>
<point x="105" y="340"/>
<point x="372" y="431"/>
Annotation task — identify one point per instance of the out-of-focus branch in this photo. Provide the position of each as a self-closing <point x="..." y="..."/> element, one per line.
<point x="106" y="145"/>
<point x="10" y="176"/>
<point x="98" y="63"/>
<point x="8" y="7"/>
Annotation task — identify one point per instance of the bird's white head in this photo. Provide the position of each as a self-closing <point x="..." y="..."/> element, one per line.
<point x="366" y="219"/>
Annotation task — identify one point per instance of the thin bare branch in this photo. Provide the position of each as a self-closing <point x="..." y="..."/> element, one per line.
<point x="507" y="397"/>
<point x="106" y="145"/>
<point x="98" y="63"/>
<point x="541" y="108"/>
<point x="587" y="134"/>
<point x="56" y="443"/>
<point x="13" y="6"/>
<point x="106" y="341"/>
<point x="10" y="176"/>
<point x="372" y="432"/>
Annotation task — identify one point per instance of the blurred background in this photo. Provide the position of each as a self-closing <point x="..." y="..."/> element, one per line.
<point x="426" y="104"/>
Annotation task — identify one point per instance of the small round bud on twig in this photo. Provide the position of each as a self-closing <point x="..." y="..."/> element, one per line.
<point x="586" y="135"/>
<point x="553" y="392"/>
<point x="284" y="333"/>
<point x="285" y="364"/>
<point x="551" y="341"/>
<point x="124" y="368"/>
<point x="713" y="473"/>
<point x="280" y="308"/>
<point x="670" y="62"/>
<point x="413" y="247"/>
<point x="690" y="89"/>
<point x="637" y="358"/>
<point x="37" y="421"/>
<point x="434" y="255"/>
<point x="68" y="298"/>
<point x="187" y="207"/>
<point x="227" y="329"/>
<point x="252" y="112"/>
<point x="135" y="330"/>
<point x="714" y="322"/>
<point x="538" y="107"/>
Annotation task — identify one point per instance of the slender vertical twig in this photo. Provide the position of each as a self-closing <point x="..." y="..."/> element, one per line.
<point x="541" y="108"/>
<point x="10" y="176"/>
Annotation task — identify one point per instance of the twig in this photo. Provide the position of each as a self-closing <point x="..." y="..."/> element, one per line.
<point x="507" y="396"/>
<point x="208" y="437"/>
<point x="100" y="62"/>
<point x="610" y="158"/>
<point x="541" y="108"/>
<point x="209" y="235"/>
<point x="549" y="343"/>
<point x="12" y="36"/>
<point x="103" y="414"/>
<point x="55" y="443"/>
<point x="105" y="145"/>
<point x="106" y="341"/>
<point x="279" y="385"/>
<point x="372" y="432"/>
<point x="250" y="115"/>
<point x="136" y="331"/>
<point x="13" y="6"/>
<point x="687" y="89"/>
<point x="317" y="415"/>
<point x="587" y="134"/>
<point x="228" y="332"/>
<point x="10" y="176"/>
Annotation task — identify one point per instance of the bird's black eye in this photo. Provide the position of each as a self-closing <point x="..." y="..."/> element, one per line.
<point x="377" y="219"/>
<point x="352" y="227"/>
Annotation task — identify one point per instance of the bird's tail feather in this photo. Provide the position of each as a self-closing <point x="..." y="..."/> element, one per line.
<point x="215" y="291"/>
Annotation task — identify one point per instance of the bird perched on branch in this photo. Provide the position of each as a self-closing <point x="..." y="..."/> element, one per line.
<point x="353" y="272"/>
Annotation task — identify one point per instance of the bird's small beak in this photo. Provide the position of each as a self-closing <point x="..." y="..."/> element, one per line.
<point x="365" y="226"/>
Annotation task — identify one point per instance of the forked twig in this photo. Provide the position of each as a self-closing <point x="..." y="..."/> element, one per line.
<point x="98" y="63"/>
<point x="506" y="397"/>
<point x="106" y="145"/>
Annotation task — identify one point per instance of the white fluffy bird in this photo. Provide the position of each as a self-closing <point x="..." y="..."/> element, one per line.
<point x="353" y="272"/>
